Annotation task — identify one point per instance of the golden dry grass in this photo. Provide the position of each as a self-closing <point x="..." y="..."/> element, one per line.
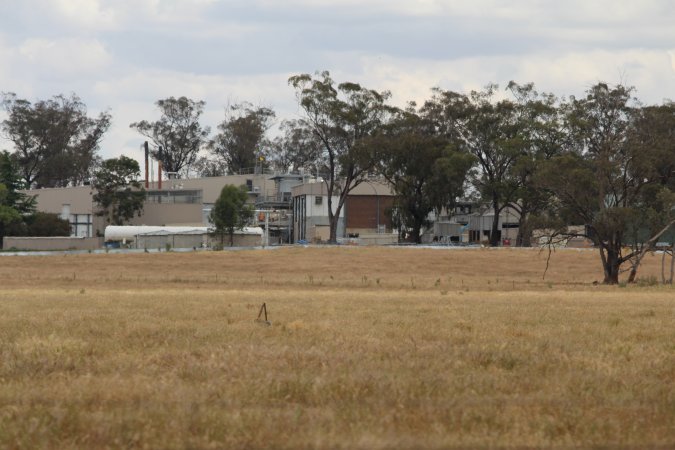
<point x="368" y="348"/>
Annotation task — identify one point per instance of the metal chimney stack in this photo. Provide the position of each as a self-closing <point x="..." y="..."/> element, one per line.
<point x="147" y="159"/>
<point x="159" y="169"/>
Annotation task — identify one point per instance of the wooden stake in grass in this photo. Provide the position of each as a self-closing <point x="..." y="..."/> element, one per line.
<point x="260" y="320"/>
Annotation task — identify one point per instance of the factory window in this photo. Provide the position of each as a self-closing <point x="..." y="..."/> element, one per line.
<point x="175" y="196"/>
<point x="318" y="200"/>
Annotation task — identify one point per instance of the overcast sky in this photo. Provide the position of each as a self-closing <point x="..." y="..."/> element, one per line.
<point x="123" y="55"/>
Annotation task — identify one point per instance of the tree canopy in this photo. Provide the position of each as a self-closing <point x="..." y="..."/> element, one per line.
<point x="298" y="147"/>
<point x="612" y="179"/>
<point x="177" y="136"/>
<point x="492" y="132"/>
<point x="426" y="169"/>
<point x="230" y="212"/>
<point x="55" y="143"/>
<point x="342" y="117"/>
<point x="241" y="142"/>
<point x="601" y="166"/>
<point x="119" y="195"/>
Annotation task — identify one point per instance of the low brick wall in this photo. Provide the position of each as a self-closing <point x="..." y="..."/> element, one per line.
<point x="52" y="243"/>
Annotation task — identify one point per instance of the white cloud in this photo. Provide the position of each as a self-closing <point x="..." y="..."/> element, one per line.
<point x="132" y="98"/>
<point x="64" y="57"/>
<point x="86" y="13"/>
<point x="650" y="71"/>
<point x="126" y="54"/>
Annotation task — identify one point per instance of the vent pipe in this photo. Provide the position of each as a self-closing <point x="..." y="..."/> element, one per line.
<point x="147" y="158"/>
<point x="159" y="169"/>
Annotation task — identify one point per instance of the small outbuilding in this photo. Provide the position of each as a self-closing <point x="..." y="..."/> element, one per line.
<point x="151" y="237"/>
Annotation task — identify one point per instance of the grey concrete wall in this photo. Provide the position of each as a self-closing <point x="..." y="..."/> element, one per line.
<point x="168" y="214"/>
<point x="240" y="240"/>
<point x="211" y="186"/>
<point x="377" y="239"/>
<point x="52" y="243"/>
<point x="51" y="200"/>
<point x="175" y="241"/>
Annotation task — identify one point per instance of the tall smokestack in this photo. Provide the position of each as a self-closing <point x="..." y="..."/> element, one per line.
<point x="147" y="158"/>
<point x="159" y="169"/>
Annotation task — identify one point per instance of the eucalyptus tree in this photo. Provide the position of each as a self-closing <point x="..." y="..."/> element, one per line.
<point x="426" y="170"/>
<point x="230" y="212"/>
<point x="177" y="137"/>
<point x="55" y="142"/>
<point x="298" y="147"/>
<point x="342" y="117"/>
<point x="241" y="142"/>
<point x="543" y="137"/>
<point x="119" y="195"/>
<point x="491" y="131"/>
<point x="612" y="180"/>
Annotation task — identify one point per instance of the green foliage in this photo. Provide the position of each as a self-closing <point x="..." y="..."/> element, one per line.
<point x="177" y="136"/>
<point x="492" y="131"/>
<point x="8" y="215"/>
<point x="298" y="147"/>
<point x="230" y="212"/>
<point x="55" y="142"/>
<point x="14" y="205"/>
<point x="343" y="118"/>
<point x="241" y="139"/>
<point x="543" y="137"/>
<point x="10" y="218"/>
<point x="10" y="178"/>
<point x="427" y="172"/>
<point x="611" y="179"/>
<point x="119" y="194"/>
<point x="46" y="224"/>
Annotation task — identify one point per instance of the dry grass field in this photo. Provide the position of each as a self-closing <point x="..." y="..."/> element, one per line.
<point x="367" y="348"/>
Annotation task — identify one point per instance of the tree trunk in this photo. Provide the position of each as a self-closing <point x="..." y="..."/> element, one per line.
<point x="524" y="237"/>
<point x="672" y="263"/>
<point x="494" y="232"/>
<point x="612" y="264"/>
<point x="333" y="224"/>
<point x="647" y="246"/>
<point x="416" y="232"/>
<point x="232" y="239"/>
<point x="334" y="219"/>
<point x="633" y="273"/>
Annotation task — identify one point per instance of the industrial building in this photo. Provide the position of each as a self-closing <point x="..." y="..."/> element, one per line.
<point x="156" y="237"/>
<point x="179" y="202"/>
<point x="365" y="217"/>
<point x="188" y="203"/>
<point x="290" y="208"/>
<point x="471" y="222"/>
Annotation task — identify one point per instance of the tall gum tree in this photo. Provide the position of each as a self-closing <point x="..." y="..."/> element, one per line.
<point x="230" y="212"/>
<point x="492" y="132"/>
<point x="543" y="138"/>
<point x="611" y="180"/>
<point x="177" y="136"/>
<point x="55" y="142"/>
<point x="425" y="169"/>
<point x="342" y="117"/>
<point x="296" y="148"/>
<point x="119" y="195"/>
<point x="241" y="140"/>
